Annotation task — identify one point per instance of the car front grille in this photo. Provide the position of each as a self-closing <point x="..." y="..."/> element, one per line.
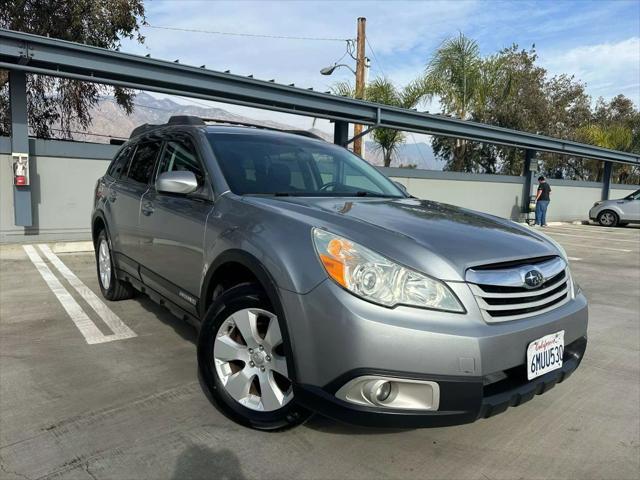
<point x="503" y="295"/>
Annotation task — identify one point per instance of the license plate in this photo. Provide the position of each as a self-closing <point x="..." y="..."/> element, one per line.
<point x="545" y="355"/>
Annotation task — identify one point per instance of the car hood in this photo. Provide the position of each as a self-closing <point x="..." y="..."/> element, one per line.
<point x="449" y="237"/>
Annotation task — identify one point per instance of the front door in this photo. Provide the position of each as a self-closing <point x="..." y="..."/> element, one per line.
<point x="172" y="254"/>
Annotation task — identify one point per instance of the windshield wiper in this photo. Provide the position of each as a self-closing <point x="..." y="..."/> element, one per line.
<point x="365" y="193"/>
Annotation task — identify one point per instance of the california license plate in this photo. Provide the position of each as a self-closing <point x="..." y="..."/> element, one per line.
<point x="545" y="355"/>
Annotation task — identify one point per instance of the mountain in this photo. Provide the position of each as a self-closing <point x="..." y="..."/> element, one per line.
<point x="110" y="121"/>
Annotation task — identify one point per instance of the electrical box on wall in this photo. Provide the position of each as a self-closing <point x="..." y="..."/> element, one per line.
<point x="20" y="163"/>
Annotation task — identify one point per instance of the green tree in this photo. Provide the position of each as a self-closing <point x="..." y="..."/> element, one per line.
<point x="55" y="104"/>
<point x="454" y="75"/>
<point x="382" y="90"/>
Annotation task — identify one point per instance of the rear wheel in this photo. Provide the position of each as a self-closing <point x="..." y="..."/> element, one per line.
<point x="243" y="363"/>
<point x="111" y="287"/>
<point x="608" y="218"/>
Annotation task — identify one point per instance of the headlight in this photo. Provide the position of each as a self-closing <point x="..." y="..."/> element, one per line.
<point x="596" y="204"/>
<point x="378" y="279"/>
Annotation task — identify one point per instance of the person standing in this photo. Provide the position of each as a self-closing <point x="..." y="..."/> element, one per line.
<point x="543" y="197"/>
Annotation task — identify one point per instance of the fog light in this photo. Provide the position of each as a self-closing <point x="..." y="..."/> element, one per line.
<point x="383" y="391"/>
<point x="391" y="392"/>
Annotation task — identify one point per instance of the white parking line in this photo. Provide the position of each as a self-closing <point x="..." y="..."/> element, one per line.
<point x="89" y="330"/>
<point x="598" y="247"/>
<point x="596" y="229"/>
<point x="111" y="319"/>
<point x="616" y="240"/>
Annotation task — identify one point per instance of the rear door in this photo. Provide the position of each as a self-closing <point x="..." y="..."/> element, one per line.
<point x="173" y="227"/>
<point x="124" y="197"/>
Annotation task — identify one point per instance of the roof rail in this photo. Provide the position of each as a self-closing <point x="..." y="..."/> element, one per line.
<point x="303" y="133"/>
<point x="193" y="120"/>
<point x="185" y="120"/>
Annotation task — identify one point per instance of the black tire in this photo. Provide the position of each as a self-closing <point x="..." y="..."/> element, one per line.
<point x="115" y="289"/>
<point x="238" y="298"/>
<point x="608" y="218"/>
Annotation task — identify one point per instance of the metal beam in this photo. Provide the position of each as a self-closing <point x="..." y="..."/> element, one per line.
<point x="606" y="180"/>
<point x="340" y="133"/>
<point x="527" y="171"/>
<point x="22" y="211"/>
<point x="36" y="54"/>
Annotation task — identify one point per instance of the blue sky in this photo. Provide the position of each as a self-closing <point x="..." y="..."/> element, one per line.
<point x="597" y="41"/>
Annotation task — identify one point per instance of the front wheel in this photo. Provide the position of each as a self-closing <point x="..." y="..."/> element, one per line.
<point x="607" y="218"/>
<point x="243" y="362"/>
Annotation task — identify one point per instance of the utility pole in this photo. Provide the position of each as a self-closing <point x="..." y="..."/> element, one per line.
<point x="360" y="78"/>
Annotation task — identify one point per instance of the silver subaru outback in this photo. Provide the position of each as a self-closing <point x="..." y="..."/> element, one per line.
<point x="319" y="285"/>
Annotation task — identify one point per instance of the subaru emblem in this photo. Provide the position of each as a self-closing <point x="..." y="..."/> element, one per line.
<point x="533" y="279"/>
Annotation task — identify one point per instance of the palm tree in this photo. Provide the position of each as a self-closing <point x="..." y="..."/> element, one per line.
<point x="382" y="90"/>
<point x="455" y="74"/>
<point x="614" y="135"/>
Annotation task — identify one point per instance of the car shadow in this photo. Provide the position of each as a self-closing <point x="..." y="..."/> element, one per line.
<point x="198" y="462"/>
<point x="181" y="327"/>
<point x="324" y="424"/>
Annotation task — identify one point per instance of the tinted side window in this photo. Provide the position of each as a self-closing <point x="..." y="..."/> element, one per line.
<point x="118" y="164"/>
<point x="181" y="156"/>
<point x="143" y="161"/>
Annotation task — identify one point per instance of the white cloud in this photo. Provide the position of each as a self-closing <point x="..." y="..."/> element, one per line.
<point x="607" y="68"/>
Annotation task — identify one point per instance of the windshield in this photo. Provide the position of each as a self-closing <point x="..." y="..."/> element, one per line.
<point x="288" y="165"/>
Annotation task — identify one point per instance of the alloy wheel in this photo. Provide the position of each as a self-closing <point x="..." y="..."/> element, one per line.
<point x="104" y="264"/>
<point x="607" y="219"/>
<point x="250" y="361"/>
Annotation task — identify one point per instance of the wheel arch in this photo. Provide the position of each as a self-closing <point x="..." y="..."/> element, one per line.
<point x="98" y="223"/>
<point x="264" y="279"/>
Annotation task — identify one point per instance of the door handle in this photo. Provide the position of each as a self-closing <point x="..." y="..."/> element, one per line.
<point x="147" y="208"/>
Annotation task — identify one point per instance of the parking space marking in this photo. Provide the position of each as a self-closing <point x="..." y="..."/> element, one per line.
<point x="599" y="248"/>
<point x="597" y="229"/>
<point x="118" y="327"/>
<point x="616" y="240"/>
<point x="87" y="328"/>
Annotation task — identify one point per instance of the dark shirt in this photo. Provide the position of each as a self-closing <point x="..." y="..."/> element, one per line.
<point x="545" y="190"/>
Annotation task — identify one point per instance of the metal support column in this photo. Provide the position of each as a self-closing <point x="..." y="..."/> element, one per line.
<point x="606" y="180"/>
<point x="341" y="133"/>
<point x="20" y="143"/>
<point x="527" y="171"/>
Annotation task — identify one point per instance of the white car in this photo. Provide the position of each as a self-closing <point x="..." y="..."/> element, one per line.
<point x="610" y="213"/>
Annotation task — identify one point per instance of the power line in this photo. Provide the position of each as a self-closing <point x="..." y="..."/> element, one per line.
<point x="378" y="62"/>
<point x="254" y="35"/>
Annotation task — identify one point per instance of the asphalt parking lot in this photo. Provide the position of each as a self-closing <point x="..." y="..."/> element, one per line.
<point x="93" y="390"/>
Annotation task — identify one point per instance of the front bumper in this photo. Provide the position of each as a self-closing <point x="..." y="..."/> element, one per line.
<point x="463" y="400"/>
<point x="336" y="336"/>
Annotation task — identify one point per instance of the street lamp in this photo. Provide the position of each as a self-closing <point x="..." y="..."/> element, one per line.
<point x="332" y="68"/>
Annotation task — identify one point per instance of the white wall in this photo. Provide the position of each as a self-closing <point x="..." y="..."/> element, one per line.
<point x="502" y="199"/>
<point x="617" y="192"/>
<point x="501" y="195"/>
<point x="62" y="189"/>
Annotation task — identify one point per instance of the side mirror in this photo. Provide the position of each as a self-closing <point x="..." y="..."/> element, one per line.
<point x="181" y="182"/>
<point x="402" y="187"/>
